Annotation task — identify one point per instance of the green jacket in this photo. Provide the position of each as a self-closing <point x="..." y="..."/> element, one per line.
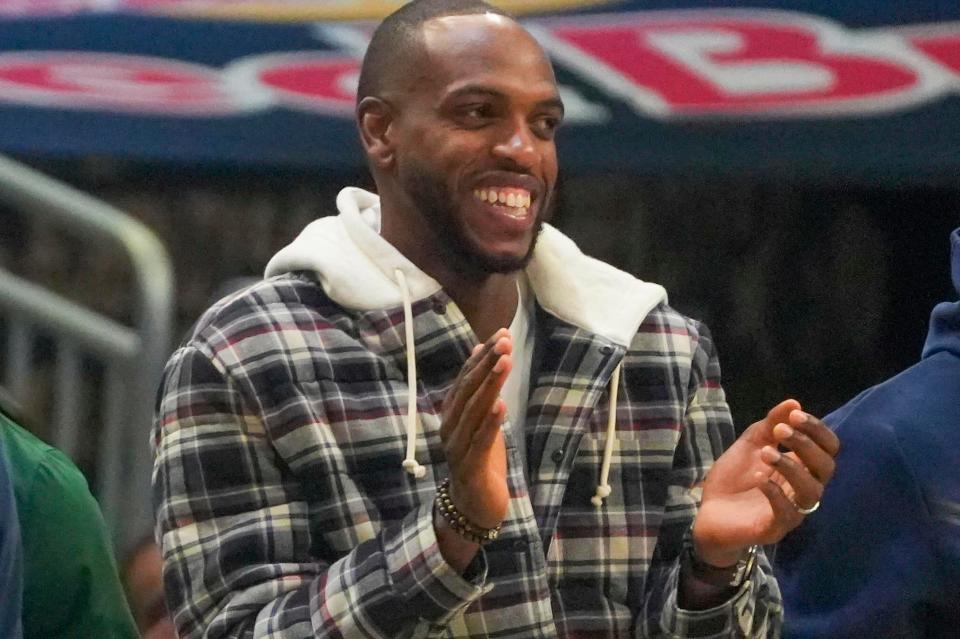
<point x="70" y="582"/>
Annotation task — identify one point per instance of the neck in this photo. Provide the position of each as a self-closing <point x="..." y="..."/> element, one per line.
<point x="488" y="304"/>
<point x="487" y="300"/>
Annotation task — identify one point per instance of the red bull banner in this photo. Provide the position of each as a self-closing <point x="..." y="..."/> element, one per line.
<point x="680" y="88"/>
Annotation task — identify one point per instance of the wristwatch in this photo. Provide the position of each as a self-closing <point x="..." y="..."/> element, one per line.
<point x="721" y="577"/>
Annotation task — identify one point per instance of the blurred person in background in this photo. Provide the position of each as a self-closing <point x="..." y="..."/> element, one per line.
<point x="70" y="583"/>
<point x="11" y="555"/>
<point x="143" y="582"/>
<point x="881" y="558"/>
<point x="333" y="450"/>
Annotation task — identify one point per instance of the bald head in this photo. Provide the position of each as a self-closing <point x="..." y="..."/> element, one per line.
<point x="398" y="41"/>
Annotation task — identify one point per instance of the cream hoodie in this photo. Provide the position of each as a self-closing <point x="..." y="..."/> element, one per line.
<point x="361" y="271"/>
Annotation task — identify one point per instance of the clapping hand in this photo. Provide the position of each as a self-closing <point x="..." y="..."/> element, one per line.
<point x="756" y="494"/>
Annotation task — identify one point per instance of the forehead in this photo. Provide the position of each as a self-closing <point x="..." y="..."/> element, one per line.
<point x="486" y="49"/>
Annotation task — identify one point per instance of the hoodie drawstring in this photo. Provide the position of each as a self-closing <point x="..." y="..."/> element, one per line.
<point x="410" y="463"/>
<point x="603" y="488"/>
<point x="415" y="469"/>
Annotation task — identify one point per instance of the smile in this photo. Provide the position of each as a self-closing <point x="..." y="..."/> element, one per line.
<point x="516" y="201"/>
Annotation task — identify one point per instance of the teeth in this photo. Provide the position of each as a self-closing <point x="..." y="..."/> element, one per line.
<point x="512" y="200"/>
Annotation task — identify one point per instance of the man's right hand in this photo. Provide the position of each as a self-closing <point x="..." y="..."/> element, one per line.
<point x="474" y="445"/>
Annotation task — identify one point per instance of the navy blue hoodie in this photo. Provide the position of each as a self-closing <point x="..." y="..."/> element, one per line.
<point x="881" y="557"/>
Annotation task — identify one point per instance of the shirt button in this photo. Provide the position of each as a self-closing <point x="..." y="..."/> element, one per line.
<point x="606" y="350"/>
<point x="519" y="545"/>
<point x="439" y="308"/>
<point x="557" y="456"/>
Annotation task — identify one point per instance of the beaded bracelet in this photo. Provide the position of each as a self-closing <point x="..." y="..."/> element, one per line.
<point x="458" y="522"/>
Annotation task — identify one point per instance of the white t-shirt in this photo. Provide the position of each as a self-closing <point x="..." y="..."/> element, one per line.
<point x="516" y="389"/>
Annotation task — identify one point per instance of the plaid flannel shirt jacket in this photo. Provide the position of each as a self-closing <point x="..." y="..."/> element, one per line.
<point x="283" y="510"/>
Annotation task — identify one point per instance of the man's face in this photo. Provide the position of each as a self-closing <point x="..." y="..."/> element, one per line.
<point x="475" y="142"/>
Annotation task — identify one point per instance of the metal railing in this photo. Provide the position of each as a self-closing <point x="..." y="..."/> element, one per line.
<point x="132" y="356"/>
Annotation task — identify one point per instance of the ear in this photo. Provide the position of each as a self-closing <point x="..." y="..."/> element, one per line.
<point x="375" y="118"/>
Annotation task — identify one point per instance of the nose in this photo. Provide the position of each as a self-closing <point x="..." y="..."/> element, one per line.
<point x="518" y="145"/>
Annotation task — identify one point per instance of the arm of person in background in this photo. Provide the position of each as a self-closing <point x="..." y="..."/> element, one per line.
<point x="240" y="556"/>
<point x="71" y="584"/>
<point x="10" y="555"/>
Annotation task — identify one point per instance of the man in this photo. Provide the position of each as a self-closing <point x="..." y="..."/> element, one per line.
<point x="11" y="556"/>
<point x="881" y="558"/>
<point x="143" y="582"/>
<point x="70" y="583"/>
<point x="360" y="447"/>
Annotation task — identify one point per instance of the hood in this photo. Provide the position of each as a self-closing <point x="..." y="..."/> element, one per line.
<point x="356" y="268"/>
<point x="944" y="332"/>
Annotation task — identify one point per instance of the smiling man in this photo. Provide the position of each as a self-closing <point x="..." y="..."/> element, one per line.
<point x="437" y="418"/>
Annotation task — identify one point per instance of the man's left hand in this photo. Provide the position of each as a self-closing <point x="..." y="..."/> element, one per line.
<point x="755" y="494"/>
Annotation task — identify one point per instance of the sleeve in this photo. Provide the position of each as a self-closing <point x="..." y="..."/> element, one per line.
<point x="72" y="588"/>
<point x="235" y="532"/>
<point x="875" y="560"/>
<point x="755" y="610"/>
<point x="10" y="555"/>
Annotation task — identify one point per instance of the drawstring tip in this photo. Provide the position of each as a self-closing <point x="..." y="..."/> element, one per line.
<point x="415" y="469"/>
<point x="602" y="493"/>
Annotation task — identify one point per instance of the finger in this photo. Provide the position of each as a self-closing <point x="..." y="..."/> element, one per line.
<point x="484" y="436"/>
<point x="781" y="412"/>
<point x="460" y="433"/>
<point x="478" y="351"/>
<point x="785" y="512"/>
<point x="471" y="375"/>
<point x="816" y="430"/>
<point x="806" y="489"/>
<point x="488" y="393"/>
<point x="761" y="432"/>
<point x="818" y="461"/>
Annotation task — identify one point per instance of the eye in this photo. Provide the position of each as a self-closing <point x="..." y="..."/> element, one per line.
<point x="546" y="126"/>
<point x="475" y="114"/>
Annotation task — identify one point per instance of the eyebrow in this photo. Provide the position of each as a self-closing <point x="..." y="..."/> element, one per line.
<point x="479" y="89"/>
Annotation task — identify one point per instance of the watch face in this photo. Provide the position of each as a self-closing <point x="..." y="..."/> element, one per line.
<point x="744" y="568"/>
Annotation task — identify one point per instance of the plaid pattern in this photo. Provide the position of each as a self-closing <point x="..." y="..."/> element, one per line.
<point x="283" y="510"/>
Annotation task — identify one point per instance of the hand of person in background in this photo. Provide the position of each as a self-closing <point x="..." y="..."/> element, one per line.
<point x="474" y="445"/>
<point x="755" y="494"/>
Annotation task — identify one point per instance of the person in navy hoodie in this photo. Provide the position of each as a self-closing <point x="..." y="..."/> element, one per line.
<point x="881" y="558"/>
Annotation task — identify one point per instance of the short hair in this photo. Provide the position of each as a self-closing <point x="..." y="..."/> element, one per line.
<point x="397" y="37"/>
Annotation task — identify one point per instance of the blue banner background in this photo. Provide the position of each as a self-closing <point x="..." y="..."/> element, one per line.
<point x="918" y="143"/>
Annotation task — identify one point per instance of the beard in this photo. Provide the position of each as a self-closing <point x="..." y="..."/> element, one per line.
<point x="434" y="200"/>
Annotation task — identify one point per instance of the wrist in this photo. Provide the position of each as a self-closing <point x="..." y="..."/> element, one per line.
<point x="730" y="571"/>
<point x="464" y="499"/>
<point x="713" y="554"/>
<point x="457" y="521"/>
<point x="456" y="551"/>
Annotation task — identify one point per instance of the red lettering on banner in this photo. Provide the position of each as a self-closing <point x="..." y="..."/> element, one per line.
<point x="691" y="64"/>
<point x="305" y="80"/>
<point x="112" y="81"/>
<point x="944" y="48"/>
<point x="699" y="64"/>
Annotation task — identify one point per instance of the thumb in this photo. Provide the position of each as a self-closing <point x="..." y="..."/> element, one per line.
<point x="762" y="431"/>
<point x="781" y="412"/>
